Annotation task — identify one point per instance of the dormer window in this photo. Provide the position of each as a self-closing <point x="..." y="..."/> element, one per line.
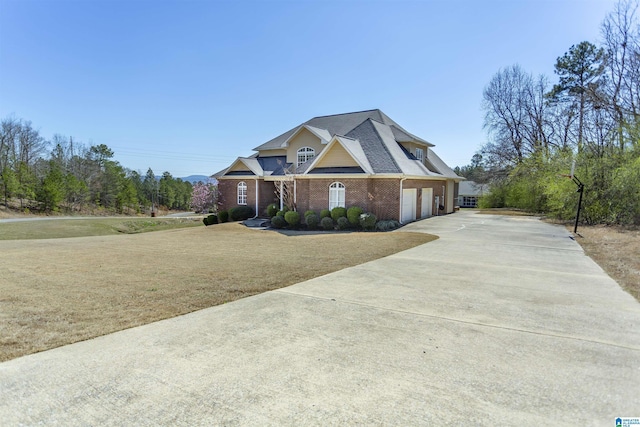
<point x="305" y="154"/>
<point x="420" y="155"/>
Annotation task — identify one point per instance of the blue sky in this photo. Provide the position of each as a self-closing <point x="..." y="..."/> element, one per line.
<point x="188" y="86"/>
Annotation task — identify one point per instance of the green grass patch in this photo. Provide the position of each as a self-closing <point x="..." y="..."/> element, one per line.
<point x="62" y="228"/>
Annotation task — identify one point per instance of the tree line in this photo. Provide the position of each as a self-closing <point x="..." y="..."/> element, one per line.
<point x="64" y="174"/>
<point x="587" y="121"/>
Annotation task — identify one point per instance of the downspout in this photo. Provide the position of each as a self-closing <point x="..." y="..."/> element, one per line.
<point x="281" y="202"/>
<point x="401" y="181"/>
<point x="256" y="215"/>
<point x="295" y="194"/>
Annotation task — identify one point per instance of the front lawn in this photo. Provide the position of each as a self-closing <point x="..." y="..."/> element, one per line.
<point x="58" y="291"/>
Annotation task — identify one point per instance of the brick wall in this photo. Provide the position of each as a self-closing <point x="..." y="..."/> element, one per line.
<point x="378" y="196"/>
<point x="385" y="203"/>
<point x="228" y="189"/>
<point x="419" y="184"/>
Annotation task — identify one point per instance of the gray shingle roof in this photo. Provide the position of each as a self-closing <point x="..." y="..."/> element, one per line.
<point x="371" y="137"/>
<point x="376" y="151"/>
<point x="342" y="124"/>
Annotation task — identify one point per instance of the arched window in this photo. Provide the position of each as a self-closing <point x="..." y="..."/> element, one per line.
<point x="305" y="154"/>
<point x="242" y="193"/>
<point x="336" y="195"/>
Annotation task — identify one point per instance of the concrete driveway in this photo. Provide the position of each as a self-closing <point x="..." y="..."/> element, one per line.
<point x="502" y="321"/>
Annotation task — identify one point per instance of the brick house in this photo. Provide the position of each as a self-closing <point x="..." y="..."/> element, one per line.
<point x="355" y="159"/>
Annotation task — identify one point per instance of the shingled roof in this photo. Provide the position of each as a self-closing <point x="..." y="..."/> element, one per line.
<point x="342" y="124"/>
<point x="371" y="137"/>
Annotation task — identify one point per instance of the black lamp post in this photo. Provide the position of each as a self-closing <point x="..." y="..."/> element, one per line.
<point x="580" y="185"/>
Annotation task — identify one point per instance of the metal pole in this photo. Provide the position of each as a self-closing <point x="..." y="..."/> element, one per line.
<point x="580" y="190"/>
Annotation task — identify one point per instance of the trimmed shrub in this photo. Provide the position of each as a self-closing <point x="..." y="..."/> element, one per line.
<point x="281" y="213"/>
<point x="211" y="219"/>
<point x="326" y="223"/>
<point x="278" y="221"/>
<point x="353" y="215"/>
<point x="292" y="218"/>
<point x="240" y="213"/>
<point x="223" y="216"/>
<point x="205" y="221"/>
<point x="307" y="213"/>
<point x="387" y="225"/>
<point x="343" y="223"/>
<point x="272" y="210"/>
<point x="368" y="221"/>
<point x="325" y="213"/>
<point x="312" y="221"/>
<point x="338" y="212"/>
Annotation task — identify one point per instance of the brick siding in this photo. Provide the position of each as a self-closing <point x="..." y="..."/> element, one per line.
<point x="378" y="196"/>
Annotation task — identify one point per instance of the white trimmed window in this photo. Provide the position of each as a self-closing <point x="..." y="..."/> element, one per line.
<point x="420" y="154"/>
<point x="305" y="154"/>
<point x="242" y="193"/>
<point x="336" y="195"/>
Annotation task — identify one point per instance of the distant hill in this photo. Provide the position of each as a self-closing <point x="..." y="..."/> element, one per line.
<point x="195" y="178"/>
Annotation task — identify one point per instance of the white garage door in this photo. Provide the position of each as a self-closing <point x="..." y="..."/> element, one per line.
<point x="409" y="201"/>
<point x="427" y="206"/>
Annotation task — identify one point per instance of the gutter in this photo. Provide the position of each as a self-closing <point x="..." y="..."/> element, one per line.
<point x="256" y="215"/>
<point x="401" y="181"/>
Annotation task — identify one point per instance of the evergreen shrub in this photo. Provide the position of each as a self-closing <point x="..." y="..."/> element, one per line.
<point x="387" y="225"/>
<point x="240" y="213"/>
<point x="338" y="212"/>
<point x="312" y="221"/>
<point x="343" y="223"/>
<point x="368" y="221"/>
<point x="353" y="215"/>
<point x="292" y="218"/>
<point x="326" y="223"/>
<point x="272" y="210"/>
<point x="278" y="221"/>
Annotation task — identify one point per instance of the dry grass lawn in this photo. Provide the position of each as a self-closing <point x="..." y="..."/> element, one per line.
<point x="58" y="291"/>
<point x="617" y="251"/>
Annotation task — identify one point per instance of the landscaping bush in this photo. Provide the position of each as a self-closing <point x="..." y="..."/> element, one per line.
<point x="272" y="210"/>
<point x="312" y="221"/>
<point x="281" y="213"/>
<point x="210" y="220"/>
<point x="223" y="216"/>
<point x="240" y="213"/>
<point x="326" y="223"/>
<point x="338" y="212"/>
<point x="343" y="223"/>
<point x="307" y="213"/>
<point x="368" y="221"/>
<point x="387" y="225"/>
<point x="325" y="213"/>
<point x="278" y="221"/>
<point x="353" y="215"/>
<point x="292" y="218"/>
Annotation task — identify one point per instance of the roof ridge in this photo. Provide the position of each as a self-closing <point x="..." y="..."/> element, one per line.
<point x="384" y="145"/>
<point x="345" y="136"/>
<point x="343" y="114"/>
